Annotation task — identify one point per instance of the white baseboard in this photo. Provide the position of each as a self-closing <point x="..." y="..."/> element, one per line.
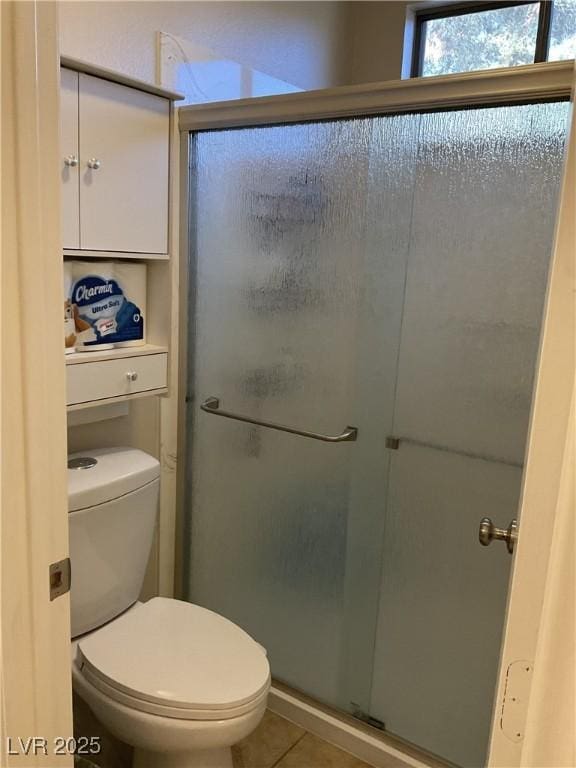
<point x="340" y="733"/>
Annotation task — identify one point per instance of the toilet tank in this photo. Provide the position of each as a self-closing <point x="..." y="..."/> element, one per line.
<point x="112" y="503"/>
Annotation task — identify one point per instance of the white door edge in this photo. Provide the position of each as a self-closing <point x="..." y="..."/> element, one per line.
<point x="541" y="485"/>
<point x="35" y="631"/>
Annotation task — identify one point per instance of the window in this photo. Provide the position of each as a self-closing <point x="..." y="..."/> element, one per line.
<point x="471" y="36"/>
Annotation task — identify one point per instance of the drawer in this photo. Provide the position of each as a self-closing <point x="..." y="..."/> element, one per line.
<point x="102" y="379"/>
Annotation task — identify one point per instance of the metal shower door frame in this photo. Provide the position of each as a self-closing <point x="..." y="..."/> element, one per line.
<point x="551" y="81"/>
<point x="533" y="82"/>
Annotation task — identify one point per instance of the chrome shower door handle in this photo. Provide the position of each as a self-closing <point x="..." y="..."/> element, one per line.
<point x="488" y="533"/>
<point x="212" y="405"/>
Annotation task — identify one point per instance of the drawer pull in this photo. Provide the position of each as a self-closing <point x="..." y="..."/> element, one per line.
<point x="131" y="375"/>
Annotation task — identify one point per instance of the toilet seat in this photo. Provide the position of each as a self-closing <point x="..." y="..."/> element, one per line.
<point x="181" y="713"/>
<point x="174" y="659"/>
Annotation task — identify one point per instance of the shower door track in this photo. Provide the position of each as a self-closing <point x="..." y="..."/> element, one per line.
<point x="348" y="731"/>
<point x="550" y="81"/>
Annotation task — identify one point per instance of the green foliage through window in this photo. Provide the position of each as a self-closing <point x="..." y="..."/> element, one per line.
<point x="486" y="37"/>
<point x="563" y="31"/>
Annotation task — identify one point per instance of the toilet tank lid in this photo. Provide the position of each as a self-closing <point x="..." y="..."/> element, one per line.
<point x="103" y="474"/>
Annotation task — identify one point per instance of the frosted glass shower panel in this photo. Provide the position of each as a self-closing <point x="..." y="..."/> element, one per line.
<point x="442" y="601"/>
<point x="483" y="223"/>
<point x="486" y="185"/>
<point x="387" y="273"/>
<point x="279" y="214"/>
<point x="381" y="277"/>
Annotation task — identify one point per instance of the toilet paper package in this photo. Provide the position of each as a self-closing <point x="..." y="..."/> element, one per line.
<point x="134" y="278"/>
<point x="108" y="302"/>
<point x="69" y="327"/>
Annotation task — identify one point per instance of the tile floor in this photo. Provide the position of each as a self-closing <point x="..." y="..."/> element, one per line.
<point x="278" y="743"/>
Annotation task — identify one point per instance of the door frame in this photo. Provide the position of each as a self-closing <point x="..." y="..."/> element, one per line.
<point x="36" y="691"/>
<point x="554" y="380"/>
<point x="547" y="438"/>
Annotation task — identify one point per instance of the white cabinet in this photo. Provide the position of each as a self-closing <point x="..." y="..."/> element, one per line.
<point x="70" y="169"/>
<point x="116" y="198"/>
<point x="115" y="172"/>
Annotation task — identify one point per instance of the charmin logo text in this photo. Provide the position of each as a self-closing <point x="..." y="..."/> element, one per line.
<point x="85" y="293"/>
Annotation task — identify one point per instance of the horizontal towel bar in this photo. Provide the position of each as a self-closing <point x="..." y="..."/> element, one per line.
<point x="393" y="443"/>
<point x="212" y="405"/>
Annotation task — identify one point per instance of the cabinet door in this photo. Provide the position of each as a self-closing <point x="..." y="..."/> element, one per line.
<point x="124" y="137"/>
<point x="70" y="169"/>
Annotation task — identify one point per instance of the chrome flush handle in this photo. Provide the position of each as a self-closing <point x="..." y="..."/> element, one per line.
<point x="488" y="533"/>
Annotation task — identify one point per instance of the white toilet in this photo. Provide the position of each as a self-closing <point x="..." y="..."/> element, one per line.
<point x="181" y="684"/>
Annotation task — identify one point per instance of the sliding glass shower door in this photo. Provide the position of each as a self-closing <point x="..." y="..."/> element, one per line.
<point x="280" y="227"/>
<point x="386" y="274"/>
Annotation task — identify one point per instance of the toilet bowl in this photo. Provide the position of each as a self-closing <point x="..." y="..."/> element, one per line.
<point x="178" y="682"/>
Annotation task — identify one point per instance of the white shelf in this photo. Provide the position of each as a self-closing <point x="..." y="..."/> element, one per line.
<point x="119" y="399"/>
<point x="76" y="358"/>
<point x="85" y="254"/>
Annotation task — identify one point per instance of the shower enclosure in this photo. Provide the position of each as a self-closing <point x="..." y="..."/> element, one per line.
<point x="375" y="283"/>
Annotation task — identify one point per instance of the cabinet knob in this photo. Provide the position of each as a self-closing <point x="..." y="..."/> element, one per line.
<point x="94" y="163"/>
<point x="71" y="161"/>
<point x="131" y="375"/>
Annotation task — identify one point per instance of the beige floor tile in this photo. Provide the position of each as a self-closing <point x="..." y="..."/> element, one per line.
<point x="267" y="744"/>
<point x="312" y="752"/>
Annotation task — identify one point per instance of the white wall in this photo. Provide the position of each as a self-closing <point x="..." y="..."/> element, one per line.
<point x="300" y="42"/>
<point x="376" y="39"/>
